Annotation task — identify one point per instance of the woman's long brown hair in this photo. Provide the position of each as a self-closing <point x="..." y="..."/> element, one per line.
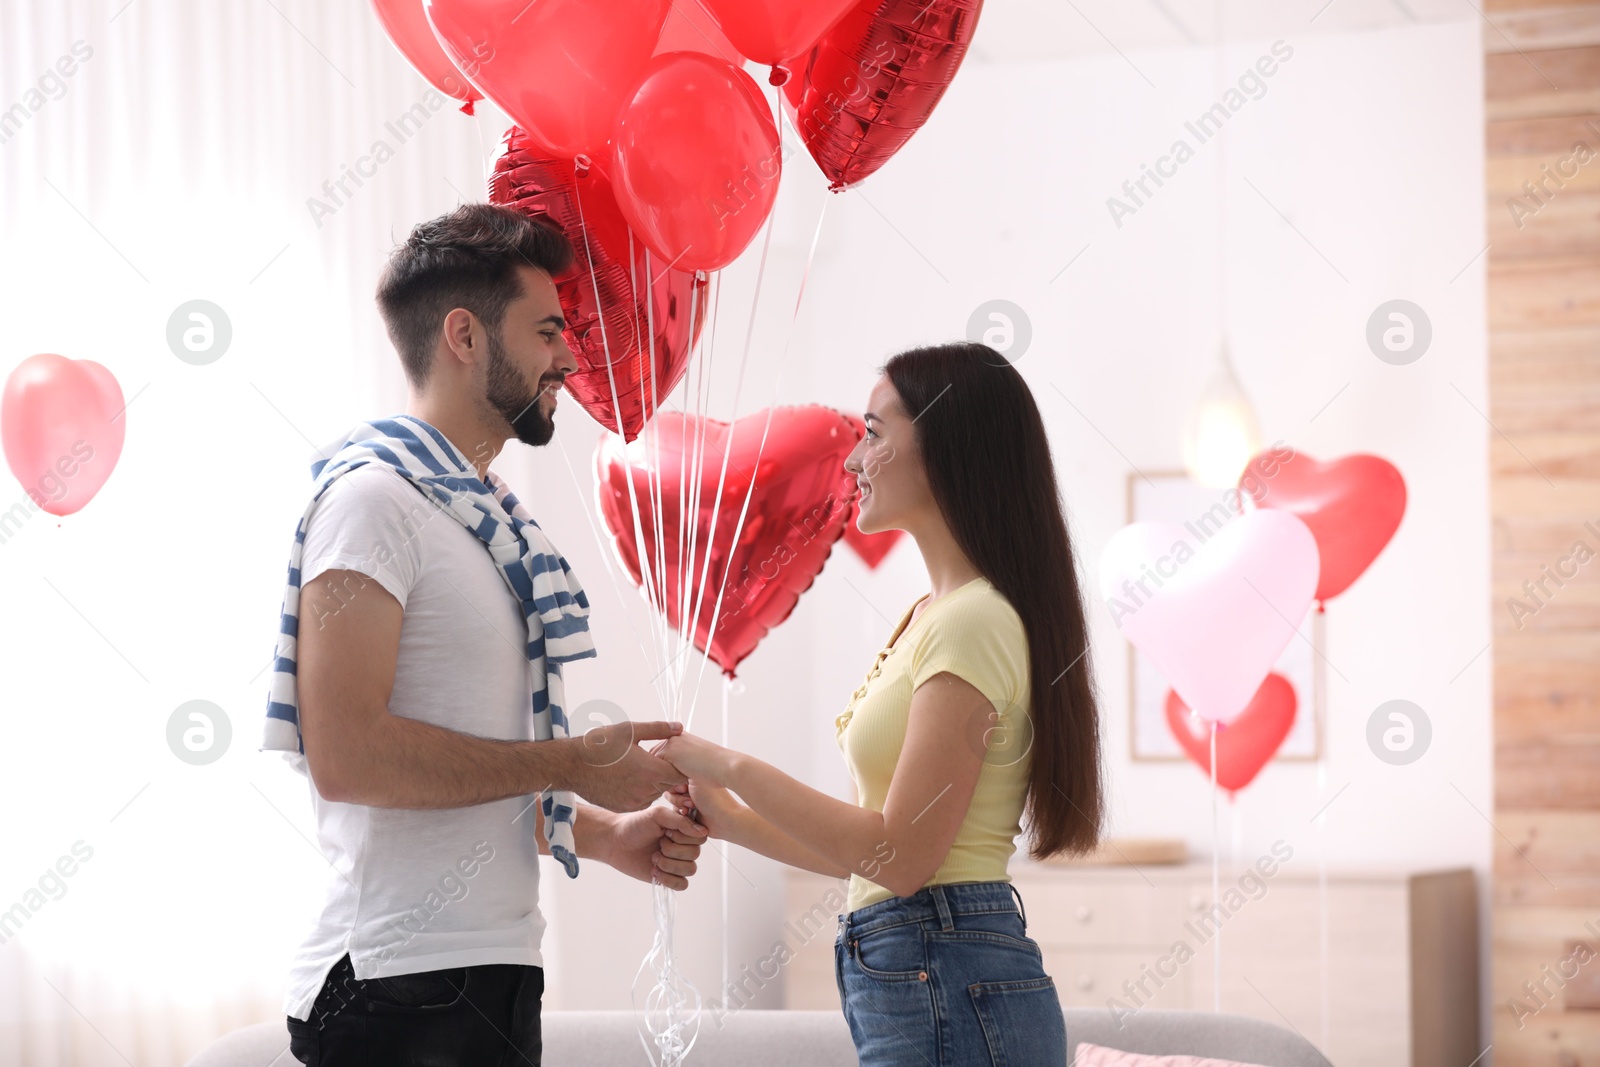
<point x="988" y="465"/>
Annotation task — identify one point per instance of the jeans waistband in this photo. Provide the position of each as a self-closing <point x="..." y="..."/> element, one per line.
<point x="937" y="903"/>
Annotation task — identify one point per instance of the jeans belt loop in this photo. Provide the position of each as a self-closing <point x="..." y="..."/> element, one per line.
<point x="1021" y="910"/>
<point x="942" y="906"/>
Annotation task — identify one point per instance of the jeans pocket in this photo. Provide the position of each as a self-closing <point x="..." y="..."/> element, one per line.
<point x="302" y="1039"/>
<point x="895" y="954"/>
<point x="420" y="991"/>
<point x="1022" y="1021"/>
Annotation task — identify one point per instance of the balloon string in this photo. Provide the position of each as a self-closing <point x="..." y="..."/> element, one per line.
<point x="727" y="691"/>
<point x="1216" y="953"/>
<point x="722" y="478"/>
<point x="761" y="448"/>
<point x="672" y="1007"/>
<point x="701" y="392"/>
<point x="647" y="580"/>
<point x="1319" y="681"/>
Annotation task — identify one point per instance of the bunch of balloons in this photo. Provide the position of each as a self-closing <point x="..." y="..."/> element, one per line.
<point x="1214" y="617"/>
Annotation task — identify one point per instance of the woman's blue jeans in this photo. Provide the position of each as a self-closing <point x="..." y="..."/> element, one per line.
<point x="948" y="977"/>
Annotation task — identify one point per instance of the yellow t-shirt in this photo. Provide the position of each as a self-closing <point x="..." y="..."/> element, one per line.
<point x="975" y="634"/>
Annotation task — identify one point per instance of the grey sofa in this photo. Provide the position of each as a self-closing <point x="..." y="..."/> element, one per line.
<point x="820" y="1039"/>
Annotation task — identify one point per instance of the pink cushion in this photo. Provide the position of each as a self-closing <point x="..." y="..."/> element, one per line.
<point x="1100" y="1056"/>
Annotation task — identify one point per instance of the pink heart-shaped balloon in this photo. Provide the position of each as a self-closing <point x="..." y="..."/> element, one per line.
<point x="1212" y="615"/>
<point x="1353" y="506"/>
<point x="1246" y="744"/>
<point x="61" y="425"/>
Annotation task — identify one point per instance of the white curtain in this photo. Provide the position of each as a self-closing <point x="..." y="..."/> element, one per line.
<point x="174" y="163"/>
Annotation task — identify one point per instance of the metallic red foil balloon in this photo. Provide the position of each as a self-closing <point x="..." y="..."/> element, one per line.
<point x="872" y="80"/>
<point x="1246" y="744"/>
<point x="647" y="316"/>
<point x="871" y="547"/>
<point x="798" y="508"/>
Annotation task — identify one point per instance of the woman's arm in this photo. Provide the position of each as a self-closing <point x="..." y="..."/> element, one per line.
<point x="934" y="779"/>
<point x="728" y="820"/>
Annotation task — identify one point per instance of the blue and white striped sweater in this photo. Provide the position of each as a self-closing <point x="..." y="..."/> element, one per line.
<point x="553" y="602"/>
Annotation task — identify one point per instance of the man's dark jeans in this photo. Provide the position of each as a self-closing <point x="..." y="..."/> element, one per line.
<point x="481" y="1016"/>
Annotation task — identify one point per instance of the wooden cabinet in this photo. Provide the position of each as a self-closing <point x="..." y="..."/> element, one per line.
<point x="1402" y="964"/>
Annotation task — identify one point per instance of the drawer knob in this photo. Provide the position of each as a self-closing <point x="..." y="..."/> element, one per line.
<point x="1083" y="913"/>
<point x="1085" y="982"/>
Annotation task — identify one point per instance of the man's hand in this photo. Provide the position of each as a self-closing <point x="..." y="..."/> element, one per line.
<point x="656" y="845"/>
<point x="615" y="773"/>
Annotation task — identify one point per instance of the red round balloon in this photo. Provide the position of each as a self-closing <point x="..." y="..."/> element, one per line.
<point x="631" y="322"/>
<point x="798" y="508"/>
<point x="559" y="68"/>
<point x="1246" y="744"/>
<point x="771" y="31"/>
<point x="873" y="80"/>
<point x="697" y="160"/>
<point x="408" y="29"/>
<point x="690" y="28"/>
<point x="1353" y="506"/>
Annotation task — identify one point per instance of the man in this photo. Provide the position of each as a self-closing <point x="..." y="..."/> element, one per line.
<point x="418" y="683"/>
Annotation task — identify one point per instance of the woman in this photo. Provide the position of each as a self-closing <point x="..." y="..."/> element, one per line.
<point x="981" y="708"/>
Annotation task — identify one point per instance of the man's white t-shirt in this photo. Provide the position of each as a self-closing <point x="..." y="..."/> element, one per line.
<point x="410" y="890"/>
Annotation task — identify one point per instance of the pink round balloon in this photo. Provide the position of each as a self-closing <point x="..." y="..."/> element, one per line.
<point x="61" y="425"/>
<point x="1213" y="616"/>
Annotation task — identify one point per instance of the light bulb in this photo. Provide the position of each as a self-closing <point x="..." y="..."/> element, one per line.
<point x="1220" y="435"/>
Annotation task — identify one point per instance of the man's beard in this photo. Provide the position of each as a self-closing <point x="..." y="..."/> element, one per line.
<point x="509" y="395"/>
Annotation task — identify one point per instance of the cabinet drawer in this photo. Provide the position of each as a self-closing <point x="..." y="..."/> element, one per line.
<point x="1105" y="914"/>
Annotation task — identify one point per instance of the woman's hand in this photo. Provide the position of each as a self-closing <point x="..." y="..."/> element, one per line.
<point x="695" y="757"/>
<point x="712" y="806"/>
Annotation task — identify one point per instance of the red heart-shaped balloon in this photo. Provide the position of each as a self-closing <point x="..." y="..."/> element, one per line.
<point x="643" y="319"/>
<point x="1353" y="506"/>
<point x="873" y="80"/>
<point x="871" y="547"/>
<point x="797" y="510"/>
<point x="1244" y="745"/>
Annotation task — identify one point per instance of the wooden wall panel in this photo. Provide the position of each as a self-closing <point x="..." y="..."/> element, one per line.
<point x="1542" y="141"/>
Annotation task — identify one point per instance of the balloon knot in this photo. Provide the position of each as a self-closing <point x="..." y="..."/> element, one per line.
<point x="466" y="108"/>
<point x="778" y="76"/>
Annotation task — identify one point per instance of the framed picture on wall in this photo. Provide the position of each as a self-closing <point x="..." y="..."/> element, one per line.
<point x="1171" y="496"/>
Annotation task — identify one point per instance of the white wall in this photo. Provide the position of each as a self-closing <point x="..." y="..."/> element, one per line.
<point x="1370" y="147"/>
<point x="1369" y="144"/>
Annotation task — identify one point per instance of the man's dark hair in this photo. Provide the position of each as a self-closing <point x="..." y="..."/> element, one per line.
<point x="466" y="259"/>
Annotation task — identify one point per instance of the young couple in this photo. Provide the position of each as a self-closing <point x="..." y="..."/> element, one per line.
<point x="418" y="684"/>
